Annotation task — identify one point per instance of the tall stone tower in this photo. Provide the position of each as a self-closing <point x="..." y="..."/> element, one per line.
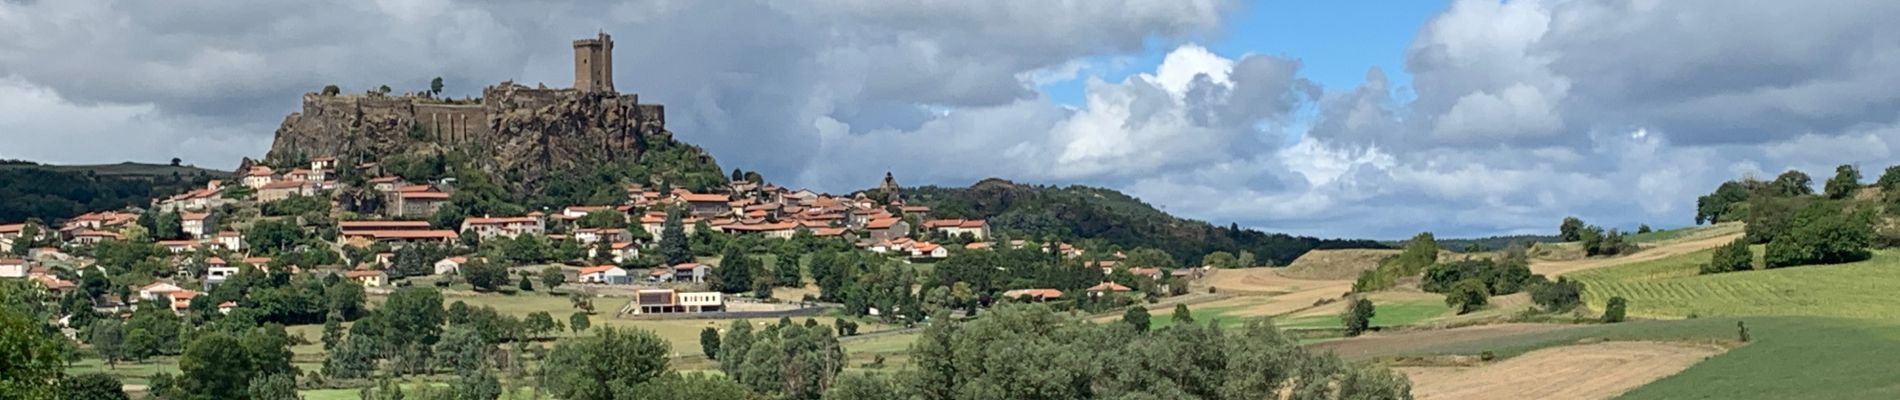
<point x="594" y="64"/>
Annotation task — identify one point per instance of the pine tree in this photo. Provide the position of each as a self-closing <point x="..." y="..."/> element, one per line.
<point x="672" y="247"/>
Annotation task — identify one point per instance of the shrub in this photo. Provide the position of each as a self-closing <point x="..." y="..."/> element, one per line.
<point x="1730" y="258"/>
<point x="1558" y="296"/>
<point x="1500" y="278"/>
<point x="1358" y="318"/>
<point x="1467" y="296"/>
<point x="1614" y="310"/>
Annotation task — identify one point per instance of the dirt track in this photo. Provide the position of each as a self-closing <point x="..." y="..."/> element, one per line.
<point x="1592" y="371"/>
<point x="1553" y="269"/>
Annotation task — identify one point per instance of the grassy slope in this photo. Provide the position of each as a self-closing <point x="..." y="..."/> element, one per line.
<point x="1671" y="288"/>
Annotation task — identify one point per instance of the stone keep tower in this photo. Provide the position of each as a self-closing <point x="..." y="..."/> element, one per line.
<point x="594" y="64"/>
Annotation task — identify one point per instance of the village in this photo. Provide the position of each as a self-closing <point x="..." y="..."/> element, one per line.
<point x="213" y="221"/>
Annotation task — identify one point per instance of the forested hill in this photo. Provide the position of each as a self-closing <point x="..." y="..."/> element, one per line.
<point x="1081" y="213"/>
<point x="53" y="192"/>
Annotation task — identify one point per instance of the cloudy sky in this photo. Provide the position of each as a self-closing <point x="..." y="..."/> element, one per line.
<point x="1339" y="118"/>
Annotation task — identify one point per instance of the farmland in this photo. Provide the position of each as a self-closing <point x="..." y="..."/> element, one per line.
<point x="1672" y="288"/>
<point x="1789" y="357"/>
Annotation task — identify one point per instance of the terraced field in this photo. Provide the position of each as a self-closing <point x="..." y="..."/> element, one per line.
<point x="1671" y="288"/>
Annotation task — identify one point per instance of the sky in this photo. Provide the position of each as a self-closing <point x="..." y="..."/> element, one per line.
<point x="1363" y="119"/>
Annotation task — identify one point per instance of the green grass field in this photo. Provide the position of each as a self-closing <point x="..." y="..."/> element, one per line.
<point x="1790" y="357"/>
<point x="1672" y="288"/>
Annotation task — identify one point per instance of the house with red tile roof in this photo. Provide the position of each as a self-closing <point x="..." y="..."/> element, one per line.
<point x="199" y="225"/>
<point x="1033" y="294"/>
<point x="487" y="227"/>
<point x="368" y="278"/>
<point x="1107" y="287"/>
<point x="605" y="274"/>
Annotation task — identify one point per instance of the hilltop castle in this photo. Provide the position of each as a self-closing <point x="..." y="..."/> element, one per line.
<point x="521" y="133"/>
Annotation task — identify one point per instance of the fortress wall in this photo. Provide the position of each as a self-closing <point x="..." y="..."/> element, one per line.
<point x="451" y="124"/>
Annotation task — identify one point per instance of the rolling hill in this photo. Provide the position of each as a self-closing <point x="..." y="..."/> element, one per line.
<point x="1080" y="213"/>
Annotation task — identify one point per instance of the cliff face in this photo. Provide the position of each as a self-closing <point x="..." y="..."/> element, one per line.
<point x="520" y="133"/>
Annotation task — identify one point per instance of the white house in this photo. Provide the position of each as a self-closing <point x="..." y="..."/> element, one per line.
<point x="13" y="268"/>
<point x="489" y="227"/>
<point x="156" y="289"/>
<point x="620" y="251"/>
<point x="451" y="264"/>
<point x="198" y="225"/>
<point x="257" y="177"/>
<point x="605" y="274"/>
<point x="229" y="240"/>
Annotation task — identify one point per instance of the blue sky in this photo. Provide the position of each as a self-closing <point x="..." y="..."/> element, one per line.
<point x="1336" y="41"/>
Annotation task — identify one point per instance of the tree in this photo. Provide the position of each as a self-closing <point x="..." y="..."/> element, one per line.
<point x="30" y="354"/>
<point x="216" y="366"/>
<point x="1731" y="257"/>
<point x="484" y="275"/>
<point x="734" y="274"/>
<point x="412" y="316"/>
<point x="1220" y="259"/>
<point x="1846" y="179"/>
<point x="539" y="322"/>
<point x="709" y="342"/>
<point x="524" y="283"/>
<point x="1137" y="317"/>
<point x="593" y="367"/>
<point x="91" y="386"/>
<point x="331" y="90"/>
<point x="1792" y="183"/>
<point x="1614" y="309"/>
<point x="1571" y="230"/>
<point x="139" y="344"/>
<point x="1643" y="228"/>
<point x="108" y="339"/>
<point x="1358" y="318"/>
<point x="435" y="86"/>
<point x="579" y="322"/>
<point x="552" y="277"/>
<point x="787" y="273"/>
<point x="734" y="345"/>
<point x="1467" y="296"/>
<point x="672" y="247"/>
<point x="1182" y="315"/>
<point x="272" y="387"/>
<point x="1722" y="205"/>
<point x="1822" y="233"/>
<point x="794" y="361"/>
<point x="354" y="358"/>
<point x="461" y="349"/>
<point x="1558" y="296"/>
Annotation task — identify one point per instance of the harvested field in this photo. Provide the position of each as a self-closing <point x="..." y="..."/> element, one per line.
<point x="1335" y="264"/>
<point x="1591" y="371"/>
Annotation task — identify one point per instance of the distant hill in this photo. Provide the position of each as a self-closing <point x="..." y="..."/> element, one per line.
<point x="54" y="192"/>
<point x="1078" y="213"/>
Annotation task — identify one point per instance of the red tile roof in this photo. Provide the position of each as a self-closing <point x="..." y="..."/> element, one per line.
<point x="1108" y="287"/>
<point x="597" y="269"/>
<point x="704" y="198"/>
<point x="881" y="223"/>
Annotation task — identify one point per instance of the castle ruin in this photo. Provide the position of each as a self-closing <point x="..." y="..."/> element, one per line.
<point x="520" y="133"/>
<point x="594" y="64"/>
